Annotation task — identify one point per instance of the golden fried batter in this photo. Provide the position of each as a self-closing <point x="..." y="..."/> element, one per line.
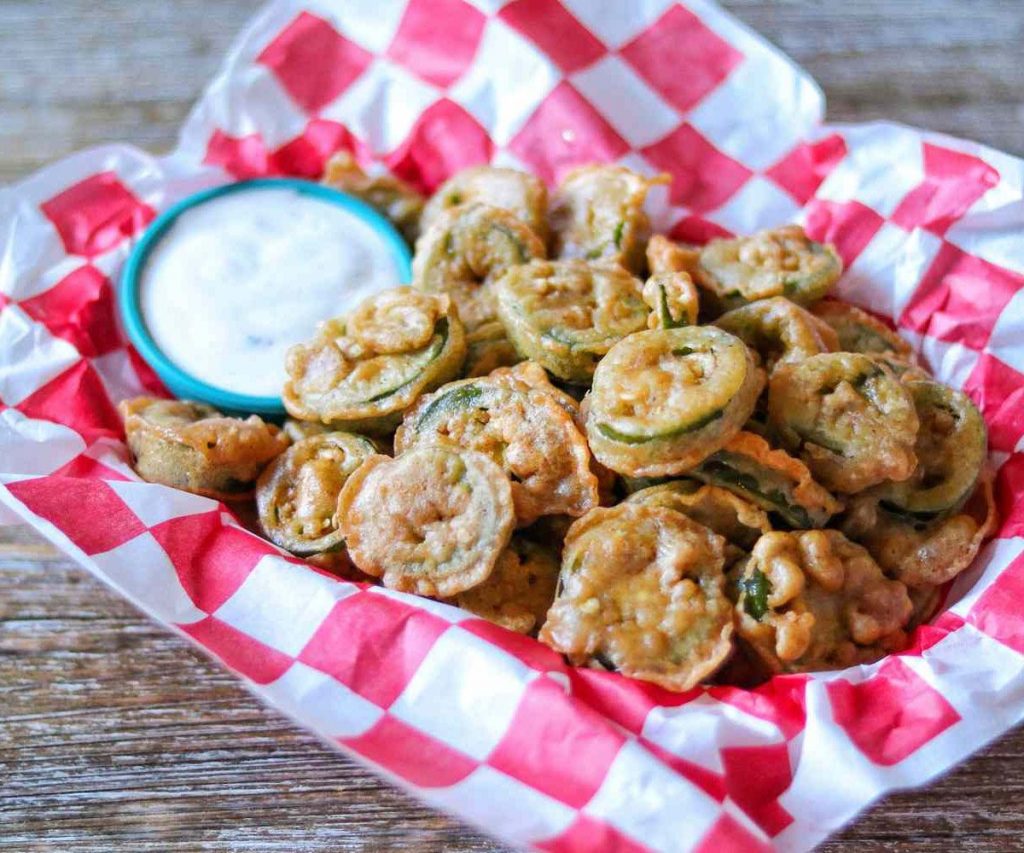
<point x="567" y="314"/>
<point x="642" y="592"/>
<point x="672" y="298"/>
<point x="432" y="521"/>
<point x="851" y="420"/>
<point x="813" y="600"/>
<point x="520" y="193"/>
<point x="924" y="553"/>
<point x="598" y="215"/>
<point x="526" y="430"/>
<point x="780" y="331"/>
<point x="665" y="399"/>
<point x="466" y="250"/>
<point x="194" y="447"/>
<point x="297" y="493"/>
<point x="775" y="262"/>
<point x="363" y="371"/>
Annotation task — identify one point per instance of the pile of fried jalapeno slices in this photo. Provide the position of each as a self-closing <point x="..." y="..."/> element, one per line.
<point x="678" y="463"/>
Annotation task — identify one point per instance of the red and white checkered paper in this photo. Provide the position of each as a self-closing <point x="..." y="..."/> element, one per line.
<point x="491" y="726"/>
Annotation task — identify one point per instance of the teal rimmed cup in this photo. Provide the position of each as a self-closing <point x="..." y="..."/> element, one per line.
<point x="178" y="381"/>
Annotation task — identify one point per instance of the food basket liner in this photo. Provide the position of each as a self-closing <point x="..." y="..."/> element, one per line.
<point x="487" y="725"/>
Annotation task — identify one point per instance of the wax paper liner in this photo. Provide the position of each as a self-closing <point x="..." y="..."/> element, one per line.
<point x="490" y="726"/>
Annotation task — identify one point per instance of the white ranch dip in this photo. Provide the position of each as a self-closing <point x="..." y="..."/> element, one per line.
<point x="238" y="279"/>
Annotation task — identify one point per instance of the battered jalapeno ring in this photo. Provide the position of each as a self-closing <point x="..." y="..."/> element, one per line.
<point x="298" y="430"/>
<point x="952" y="443"/>
<point x="779" y="330"/>
<point x="567" y="314"/>
<point x="813" y="600"/>
<point x="394" y="198"/>
<point x="598" y="215"/>
<point x="672" y="298"/>
<point x="772" y="479"/>
<point x="736" y="520"/>
<point x="851" y="420"/>
<point x="194" y="447"/>
<point x="297" y="494"/>
<point x="519" y="591"/>
<point x="363" y="371"/>
<point x="525" y="430"/>
<point x="664" y="255"/>
<point x="433" y="521"/>
<point x="924" y="553"/>
<point x="664" y="400"/>
<point x="858" y="331"/>
<point x="488" y="348"/>
<point x="466" y="250"/>
<point x="520" y="193"/>
<point x="776" y="262"/>
<point x="642" y="592"/>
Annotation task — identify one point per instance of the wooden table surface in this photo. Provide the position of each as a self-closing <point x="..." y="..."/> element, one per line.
<point x="115" y="734"/>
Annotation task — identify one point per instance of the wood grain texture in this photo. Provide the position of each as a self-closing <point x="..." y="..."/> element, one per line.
<point x="117" y="734"/>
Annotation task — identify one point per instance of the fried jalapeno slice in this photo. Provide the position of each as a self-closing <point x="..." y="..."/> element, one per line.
<point x="779" y="330"/>
<point x="672" y="298"/>
<point x="400" y="203"/>
<point x="466" y="250"/>
<point x="772" y="479"/>
<point x="520" y="193"/>
<point x="642" y="592"/>
<point x="519" y="591"/>
<point x="432" y="521"/>
<point x="924" y="553"/>
<point x="194" y="447"/>
<point x="666" y="399"/>
<point x="598" y="215"/>
<point x="567" y="314"/>
<point x="952" y="443"/>
<point x="297" y="494"/>
<point x="362" y="371"/>
<point x="525" y="430"/>
<point x="852" y="421"/>
<point x="775" y="262"/>
<point x="858" y="331"/>
<point x="813" y="600"/>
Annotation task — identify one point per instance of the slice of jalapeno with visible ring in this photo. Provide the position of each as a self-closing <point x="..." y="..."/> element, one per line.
<point x="466" y="250"/>
<point x="526" y="430"/>
<point x="566" y="315"/>
<point x="851" y="420"/>
<point x="360" y="373"/>
<point x="642" y="591"/>
<point x="520" y="193"/>
<point x="297" y="494"/>
<point x="598" y="215"/>
<point x="779" y="330"/>
<point x="432" y="521"/>
<point x="776" y="262"/>
<point x="772" y="479"/>
<point x="665" y="399"/>
<point x="951" y="447"/>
